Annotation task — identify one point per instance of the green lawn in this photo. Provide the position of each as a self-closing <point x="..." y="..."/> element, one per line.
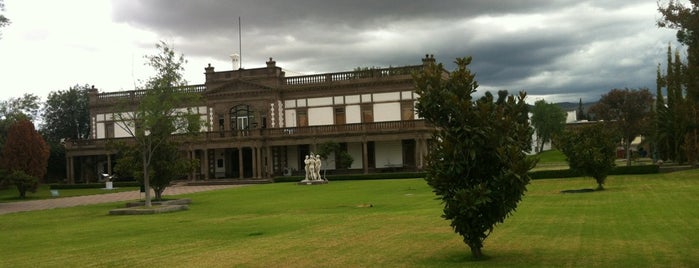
<point x="12" y="195"/>
<point x="639" y="221"/>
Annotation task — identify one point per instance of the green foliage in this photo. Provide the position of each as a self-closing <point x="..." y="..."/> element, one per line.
<point x="590" y="150"/>
<point x="65" y="116"/>
<point x="164" y="109"/>
<point x="167" y="165"/>
<point x="630" y="112"/>
<point x="548" y="121"/>
<point x="477" y="164"/>
<point x="342" y="158"/>
<point x="23" y="182"/>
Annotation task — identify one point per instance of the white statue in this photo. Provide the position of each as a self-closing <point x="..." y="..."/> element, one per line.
<point x="311" y="168"/>
<point x="307" y="161"/>
<point x="317" y="164"/>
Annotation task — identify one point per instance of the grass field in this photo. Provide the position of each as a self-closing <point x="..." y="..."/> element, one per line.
<point x="639" y="221"/>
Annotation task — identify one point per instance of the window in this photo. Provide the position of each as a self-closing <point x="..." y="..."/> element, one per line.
<point x="109" y="130"/>
<point x="367" y="113"/>
<point x="340" y="116"/>
<point x="241" y="118"/>
<point x="407" y="110"/>
<point x="302" y="118"/>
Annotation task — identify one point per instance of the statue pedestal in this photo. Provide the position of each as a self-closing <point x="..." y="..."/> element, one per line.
<point x="310" y="182"/>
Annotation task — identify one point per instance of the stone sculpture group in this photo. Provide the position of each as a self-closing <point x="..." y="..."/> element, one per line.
<point x="312" y="168"/>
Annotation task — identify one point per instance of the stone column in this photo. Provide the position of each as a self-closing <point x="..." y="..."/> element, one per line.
<point x="269" y="166"/>
<point x="240" y="163"/>
<point x="70" y="176"/>
<point x="109" y="164"/>
<point x="205" y="164"/>
<point x="365" y="157"/>
<point x="254" y="163"/>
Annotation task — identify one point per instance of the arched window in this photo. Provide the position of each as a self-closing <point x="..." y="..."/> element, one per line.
<point x="242" y="118"/>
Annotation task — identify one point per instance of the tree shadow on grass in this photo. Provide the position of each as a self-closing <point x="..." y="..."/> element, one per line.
<point x="578" y="191"/>
<point x="464" y="257"/>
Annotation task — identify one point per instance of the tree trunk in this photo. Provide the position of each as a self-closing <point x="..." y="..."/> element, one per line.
<point x="627" y="146"/>
<point x="146" y="179"/>
<point x="476" y="252"/>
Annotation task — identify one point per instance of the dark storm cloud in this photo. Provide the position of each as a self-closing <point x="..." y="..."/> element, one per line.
<point x="569" y="48"/>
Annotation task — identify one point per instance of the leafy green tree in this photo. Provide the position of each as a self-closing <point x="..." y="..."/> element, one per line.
<point x="477" y="164"/>
<point x="167" y="164"/>
<point x="342" y="158"/>
<point x="629" y="110"/>
<point x="684" y="129"/>
<point x="548" y="120"/>
<point x="161" y="111"/>
<point x="590" y="150"/>
<point x="685" y="19"/>
<point x="24" y="156"/>
<point x="66" y="116"/>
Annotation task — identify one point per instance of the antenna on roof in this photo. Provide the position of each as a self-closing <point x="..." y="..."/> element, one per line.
<point x="240" y="43"/>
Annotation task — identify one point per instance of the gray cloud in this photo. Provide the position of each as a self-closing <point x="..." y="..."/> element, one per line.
<point x="573" y="49"/>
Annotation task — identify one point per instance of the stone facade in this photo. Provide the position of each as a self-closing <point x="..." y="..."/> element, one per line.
<point x="261" y="123"/>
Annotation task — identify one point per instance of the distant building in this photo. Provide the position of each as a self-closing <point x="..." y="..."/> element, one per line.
<point x="261" y="123"/>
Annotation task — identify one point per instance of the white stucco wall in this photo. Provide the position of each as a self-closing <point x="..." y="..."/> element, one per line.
<point x="387" y="111"/>
<point x="320" y="116"/>
<point x="290" y="118"/>
<point x="353" y="114"/>
<point x="388" y="153"/>
<point x="355" y="150"/>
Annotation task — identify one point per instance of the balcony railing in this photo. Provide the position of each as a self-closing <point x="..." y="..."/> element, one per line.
<point x="137" y="94"/>
<point x="290" y="132"/>
<point x="351" y="75"/>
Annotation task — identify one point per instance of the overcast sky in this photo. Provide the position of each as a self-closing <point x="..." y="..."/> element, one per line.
<point x="558" y="50"/>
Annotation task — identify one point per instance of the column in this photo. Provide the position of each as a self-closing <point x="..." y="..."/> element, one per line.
<point x="268" y="163"/>
<point x="109" y="164"/>
<point x="254" y="163"/>
<point x="69" y="170"/>
<point x="240" y="163"/>
<point x="365" y="157"/>
<point x="205" y="164"/>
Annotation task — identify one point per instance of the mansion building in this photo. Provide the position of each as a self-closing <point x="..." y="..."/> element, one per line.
<point x="261" y="124"/>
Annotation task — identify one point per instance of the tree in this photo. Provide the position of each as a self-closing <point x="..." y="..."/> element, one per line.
<point x="65" y="116"/>
<point x="24" y="156"/>
<point x="685" y="19"/>
<point x="630" y="110"/>
<point x="477" y="164"/>
<point x="580" y="113"/>
<point x="548" y="120"/>
<point x="163" y="109"/>
<point x="4" y="21"/>
<point x="590" y="150"/>
<point x="682" y="133"/>
<point x="342" y="158"/>
<point x="17" y="109"/>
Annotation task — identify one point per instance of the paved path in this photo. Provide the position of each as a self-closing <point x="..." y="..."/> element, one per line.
<point x="63" y="202"/>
